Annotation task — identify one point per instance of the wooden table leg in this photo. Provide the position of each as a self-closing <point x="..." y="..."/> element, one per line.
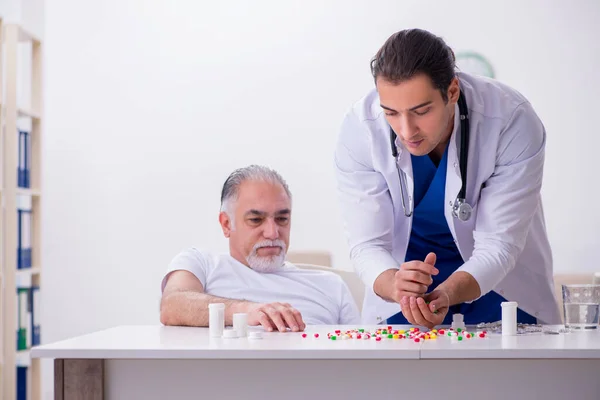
<point x="76" y="379"/>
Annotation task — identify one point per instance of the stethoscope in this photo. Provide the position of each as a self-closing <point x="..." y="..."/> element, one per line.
<point x="461" y="209"/>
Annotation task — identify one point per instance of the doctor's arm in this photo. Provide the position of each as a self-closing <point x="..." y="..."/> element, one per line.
<point x="365" y="204"/>
<point x="506" y="208"/>
<point x="184" y="303"/>
<point x="368" y="218"/>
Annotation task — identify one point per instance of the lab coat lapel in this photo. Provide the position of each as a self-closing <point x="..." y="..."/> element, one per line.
<point x="453" y="179"/>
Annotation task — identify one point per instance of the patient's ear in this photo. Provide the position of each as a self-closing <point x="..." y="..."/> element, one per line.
<point x="225" y="222"/>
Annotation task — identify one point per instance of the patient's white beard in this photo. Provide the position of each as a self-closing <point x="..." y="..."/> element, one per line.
<point x="269" y="263"/>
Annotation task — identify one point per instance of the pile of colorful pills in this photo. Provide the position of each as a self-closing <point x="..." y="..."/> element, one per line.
<point x="414" y="334"/>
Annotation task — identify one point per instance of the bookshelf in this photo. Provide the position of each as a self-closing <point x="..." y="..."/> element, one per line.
<point x="12" y="116"/>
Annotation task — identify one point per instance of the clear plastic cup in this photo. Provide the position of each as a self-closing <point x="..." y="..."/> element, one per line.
<point x="581" y="306"/>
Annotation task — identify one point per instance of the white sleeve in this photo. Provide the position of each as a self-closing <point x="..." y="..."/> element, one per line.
<point x="509" y="200"/>
<point x="349" y="314"/>
<point x="192" y="260"/>
<point x="365" y="203"/>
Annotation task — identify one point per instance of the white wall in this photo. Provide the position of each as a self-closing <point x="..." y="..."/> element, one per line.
<point x="10" y="10"/>
<point x="29" y="13"/>
<point x="150" y="104"/>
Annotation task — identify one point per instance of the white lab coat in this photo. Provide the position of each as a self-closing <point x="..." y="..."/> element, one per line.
<point x="504" y="243"/>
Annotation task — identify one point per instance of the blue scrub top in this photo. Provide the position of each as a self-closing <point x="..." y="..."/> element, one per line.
<point x="430" y="233"/>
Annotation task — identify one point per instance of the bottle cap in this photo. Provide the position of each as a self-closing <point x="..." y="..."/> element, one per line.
<point x="255" y="335"/>
<point x="230" y="333"/>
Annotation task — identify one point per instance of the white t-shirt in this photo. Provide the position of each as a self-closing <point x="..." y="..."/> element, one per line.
<point x="321" y="297"/>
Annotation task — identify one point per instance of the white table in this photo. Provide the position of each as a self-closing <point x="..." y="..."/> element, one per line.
<point x="157" y="362"/>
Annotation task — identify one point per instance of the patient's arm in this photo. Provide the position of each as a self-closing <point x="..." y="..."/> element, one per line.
<point x="185" y="303"/>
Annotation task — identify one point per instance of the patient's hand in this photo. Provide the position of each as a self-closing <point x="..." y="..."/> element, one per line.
<point x="278" y="316"/>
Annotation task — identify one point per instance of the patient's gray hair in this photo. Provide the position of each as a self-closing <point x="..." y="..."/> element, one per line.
<point x="230" y="191"/>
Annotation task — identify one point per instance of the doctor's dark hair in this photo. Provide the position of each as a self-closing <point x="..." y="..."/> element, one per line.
<point x="415" y="51"/>
<point x="231" y="187"/>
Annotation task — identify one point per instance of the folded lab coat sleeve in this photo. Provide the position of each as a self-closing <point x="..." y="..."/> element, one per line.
<point x="365" y="203"/>
<point x="508" y="200"/>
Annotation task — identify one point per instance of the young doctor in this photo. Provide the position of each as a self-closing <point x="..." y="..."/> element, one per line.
<point x="439" y="176"/>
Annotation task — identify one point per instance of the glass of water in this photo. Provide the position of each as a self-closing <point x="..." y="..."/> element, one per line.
<point x="581" y="305"/>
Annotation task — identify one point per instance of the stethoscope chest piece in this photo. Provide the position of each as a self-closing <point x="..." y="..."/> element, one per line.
<point x="462" y="210"/>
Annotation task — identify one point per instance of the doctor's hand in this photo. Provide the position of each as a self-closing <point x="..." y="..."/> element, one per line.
<point x="279" y="316"/>
<point x="428" y="311"/>
<point x="414" y="277"/>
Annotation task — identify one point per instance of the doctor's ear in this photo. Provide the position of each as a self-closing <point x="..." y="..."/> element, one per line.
<point x="453" y="91"/>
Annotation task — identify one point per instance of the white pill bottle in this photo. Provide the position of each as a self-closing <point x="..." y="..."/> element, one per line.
<point x="216" y="319"/>
<point x="509" y="318"/>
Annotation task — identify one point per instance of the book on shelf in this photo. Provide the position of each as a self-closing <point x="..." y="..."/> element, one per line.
<point x="24" y="228"/>
<point x="24" y="160"/>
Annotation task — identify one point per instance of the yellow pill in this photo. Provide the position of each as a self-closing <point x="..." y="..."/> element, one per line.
<point x="412" y="329"/>
<point x="396" y="336"/>
<point x="402" y="331"/>
<point x="434" y="336"/>
<point x="434" y="331"/>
